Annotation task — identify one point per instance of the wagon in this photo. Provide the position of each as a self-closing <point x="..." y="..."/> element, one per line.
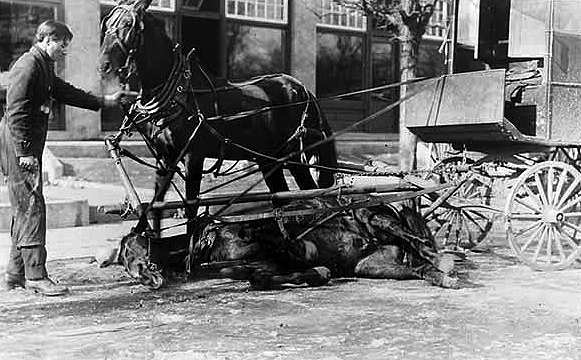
<point x="515" y="124"/>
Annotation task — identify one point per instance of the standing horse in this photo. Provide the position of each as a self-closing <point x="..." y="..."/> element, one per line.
<point x="268" y="119"/>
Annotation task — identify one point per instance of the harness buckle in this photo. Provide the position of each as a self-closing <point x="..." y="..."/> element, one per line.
<point x="278" y="215"/>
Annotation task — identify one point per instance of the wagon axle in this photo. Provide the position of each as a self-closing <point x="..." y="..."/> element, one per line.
<point x="552" y="215"/>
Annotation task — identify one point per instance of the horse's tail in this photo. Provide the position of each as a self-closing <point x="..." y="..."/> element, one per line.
<point x="327" y="151"/>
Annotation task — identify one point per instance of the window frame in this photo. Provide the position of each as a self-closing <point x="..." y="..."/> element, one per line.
<point x="171" y="9"/>
<point x="264" y="20"/>
<point x="445" y="11"/>
<point x="58" y="112"/>
<point x="343" y="11"/>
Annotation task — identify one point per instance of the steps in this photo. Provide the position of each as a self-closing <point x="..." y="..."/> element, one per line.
<point x="61" y="212"/>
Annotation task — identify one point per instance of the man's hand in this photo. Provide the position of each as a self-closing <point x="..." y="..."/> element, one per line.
<point x="28" y="163"/>
<point x="112" y="100"/>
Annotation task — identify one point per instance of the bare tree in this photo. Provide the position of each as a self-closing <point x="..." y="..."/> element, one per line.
<point x="406" y="20"/>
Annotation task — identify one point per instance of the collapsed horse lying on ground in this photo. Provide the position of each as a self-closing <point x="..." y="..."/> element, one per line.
<point x="373" y="242"/>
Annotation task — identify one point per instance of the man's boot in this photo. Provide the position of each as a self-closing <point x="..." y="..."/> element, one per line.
<point x="46" y="287"/>
<point x="37" y="278"/>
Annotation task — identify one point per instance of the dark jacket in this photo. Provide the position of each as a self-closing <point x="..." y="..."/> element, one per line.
<point x="32" y="85"/>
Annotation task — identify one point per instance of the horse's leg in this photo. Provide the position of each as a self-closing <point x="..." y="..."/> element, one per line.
<point x="317" y="276"/>
<point x="303" y="177"/>
<point x="275" y="180"/>
<point x="385" y="263"/>
<point x="327" y="156"/>
<point x="326" y="151"/>
<point x="193" y="179"/>
<point x="160" y="178"/>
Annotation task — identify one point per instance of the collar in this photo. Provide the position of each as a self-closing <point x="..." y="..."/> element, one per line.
<point x="35" y="49"/>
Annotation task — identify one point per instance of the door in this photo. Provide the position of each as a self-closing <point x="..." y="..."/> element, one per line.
<point x="384" y="70"/>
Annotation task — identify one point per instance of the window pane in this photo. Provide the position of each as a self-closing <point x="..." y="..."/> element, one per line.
<point x="204" y="5"/>
<point x="431" y="62"/>
<point x="160" y="5"/>
<point x="468" y="11"/>
<point x="263" y="10"/>
<point x="384" y="72"/>
<point x="567" y="42"/>
<point x="339" y="63"/>
<point x="253" y="51"/>
<point x="18" y="22"/>
<point x="339" y="71"/>
<point x="527" y="28"/>
<point x="336" y="15"/>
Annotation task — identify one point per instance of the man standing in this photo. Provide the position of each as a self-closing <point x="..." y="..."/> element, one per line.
<point x="32" y="86"/>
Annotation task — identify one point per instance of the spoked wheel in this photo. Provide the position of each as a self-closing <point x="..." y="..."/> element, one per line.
<point x="570" y="155"/>
<point x="462" y="221"/>
<point x="543" y="216"/>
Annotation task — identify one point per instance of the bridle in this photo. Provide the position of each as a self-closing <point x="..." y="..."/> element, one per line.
<point x="127" y="44"/>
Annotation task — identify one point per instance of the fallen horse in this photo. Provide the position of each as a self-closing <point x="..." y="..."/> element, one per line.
<point x="380" y="241"/>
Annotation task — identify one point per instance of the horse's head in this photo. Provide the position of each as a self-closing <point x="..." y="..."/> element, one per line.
<point x="134" y="255"/>
<point x="133" y="40"/>
<point x="121" y="38"/>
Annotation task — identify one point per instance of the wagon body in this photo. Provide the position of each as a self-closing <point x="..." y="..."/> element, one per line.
<point x="541" y="36"/>
<point x="527" y="101"/>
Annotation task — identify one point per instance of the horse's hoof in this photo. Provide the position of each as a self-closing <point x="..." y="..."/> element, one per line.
<point x="445" y="263"/>
<point x="450" y="282"/>
<point x="236" y="273"/>
<point x="318" y="276"/>
<point x="262" y="280"/>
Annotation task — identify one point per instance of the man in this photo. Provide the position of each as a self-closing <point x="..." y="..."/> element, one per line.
<point x="32" y="86"/>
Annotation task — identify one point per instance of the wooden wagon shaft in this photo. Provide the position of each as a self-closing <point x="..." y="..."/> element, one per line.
<point x="371" y="200"/>
<point x="294" y="195"/>
<point x="112" y="145"/>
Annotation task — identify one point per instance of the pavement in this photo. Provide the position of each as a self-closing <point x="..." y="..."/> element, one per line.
<point x="512" y="312"/>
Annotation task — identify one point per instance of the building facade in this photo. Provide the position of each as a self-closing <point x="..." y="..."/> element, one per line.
<point x="332" y="50"/>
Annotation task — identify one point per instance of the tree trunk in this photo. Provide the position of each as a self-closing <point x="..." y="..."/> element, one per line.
<point x="408" y="59"/>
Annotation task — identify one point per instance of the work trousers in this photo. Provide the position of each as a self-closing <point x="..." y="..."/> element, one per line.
<point x="28" y="226"/>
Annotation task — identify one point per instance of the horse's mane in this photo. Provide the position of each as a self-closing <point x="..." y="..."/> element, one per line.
<point x="158" y="26"/>
<point x="158" y="50"/>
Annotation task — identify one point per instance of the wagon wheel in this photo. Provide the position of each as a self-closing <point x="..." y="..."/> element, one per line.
<point x="569" y="155"/>
<point x="543" y="216"/>
<point x="460" y="221"/>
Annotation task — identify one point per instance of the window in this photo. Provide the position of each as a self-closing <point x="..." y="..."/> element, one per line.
<point x="334" y="15"/>
<point x="527" y="28"/>
<point x="339" y="71"/>
<point x="252" y="51"/>
<point x="439" y="20"/>
<point x="160" y="5"/>
<point x="262" y="10"/>
<point x="211" y="6"/>
<point x="18" y="23"/>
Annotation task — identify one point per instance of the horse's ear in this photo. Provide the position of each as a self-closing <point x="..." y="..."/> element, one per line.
<point x="141" y="5"/>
